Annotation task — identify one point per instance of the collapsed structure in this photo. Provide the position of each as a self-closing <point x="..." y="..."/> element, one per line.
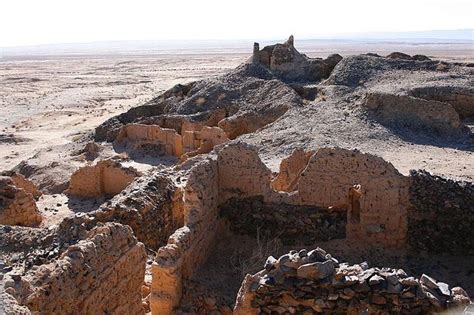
<point x="220" y="134"/>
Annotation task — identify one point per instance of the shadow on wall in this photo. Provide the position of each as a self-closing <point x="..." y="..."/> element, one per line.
<point x="106" y="178"/>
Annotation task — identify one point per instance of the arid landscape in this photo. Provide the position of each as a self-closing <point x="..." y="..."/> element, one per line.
<point x="300" y="177"/>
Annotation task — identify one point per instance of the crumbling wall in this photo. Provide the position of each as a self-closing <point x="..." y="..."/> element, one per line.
<point x="329" y="180"/>
<point x="290" y="170"/>
<point x="101" y="274"/>
<point x="192" y="139"/>
<point x="150" y="206"/>
<point x="413" y="113"/>
<point x="241" y="161"/>
<point x="21" y="182"/>
<point x="442" y="216"/>
<point x="290" y="65"/>
<point x="308" y="282"/>
<point x="17" y="205"/>
<point x="335" y="183"/>
<point x="105" y="178"/>
<point x="189" y="246"/>
<point x="461" y="98"/>
<point x="137" y="134"/>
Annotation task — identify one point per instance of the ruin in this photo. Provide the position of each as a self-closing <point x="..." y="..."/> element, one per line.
<point x="104" y="178"/>
<point x="92" y="276"/>
<point x="246" y="167"/>
<point x="374" y="213"/>
<point x="17" y="202"/>
<point x="314" y="282"/>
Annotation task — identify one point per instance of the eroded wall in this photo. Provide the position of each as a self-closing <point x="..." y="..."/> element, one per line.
<point x="104" y="178"/>
<point x="100" y="274"/>
<point x="414" y="113"/>
<point x="192" y="138"/>
<point x="17" y="205"/>
<point x="330" y="177"/>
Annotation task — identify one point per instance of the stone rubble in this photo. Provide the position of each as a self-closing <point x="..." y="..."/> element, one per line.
<point x="309" y="282"/>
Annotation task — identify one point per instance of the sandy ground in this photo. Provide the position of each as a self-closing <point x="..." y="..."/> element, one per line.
<point x="50" y="100"/>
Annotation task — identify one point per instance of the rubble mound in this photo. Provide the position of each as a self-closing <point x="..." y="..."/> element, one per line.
<point x="314" y="282"/>
<point x="18" y="205"/>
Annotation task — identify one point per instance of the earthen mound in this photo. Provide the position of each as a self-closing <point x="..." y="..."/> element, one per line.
<point x="398" y="111"/>
<point x="246" y="99"/>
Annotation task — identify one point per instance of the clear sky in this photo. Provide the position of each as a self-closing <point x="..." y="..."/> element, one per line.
<point x="31" y="22"/>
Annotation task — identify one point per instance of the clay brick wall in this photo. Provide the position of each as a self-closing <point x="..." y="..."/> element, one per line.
<point x="330" y="175"/>
<point x="290" y="170"/>
<point x="236" y="171"/>
<point x="241" y="173"/>
<point x="195" y="138"/>
<point x="189" y="246"/>
<point x="104" y="178"/>
<point x="17" y="205"/>
<point x="101" y="274"/>
<point x="136" y="133"/>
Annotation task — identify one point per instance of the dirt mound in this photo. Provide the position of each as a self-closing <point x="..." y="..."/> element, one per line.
<point x="356" y="70"/>
<point x="398" y="111"/>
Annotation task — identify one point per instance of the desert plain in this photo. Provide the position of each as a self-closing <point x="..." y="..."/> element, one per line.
<point x="175" y="175"/>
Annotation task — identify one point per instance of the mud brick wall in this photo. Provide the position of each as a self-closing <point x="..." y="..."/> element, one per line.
<point x="442" y="217"/>
<point x="189" y="246"/>
<point x="105" y="178"/>
<point x="102" y="274"/>
<point x="331" y="175"/>
<point x="148" y="206"/>
<point x="17" y="205"/>
<point x="290" y="223"/>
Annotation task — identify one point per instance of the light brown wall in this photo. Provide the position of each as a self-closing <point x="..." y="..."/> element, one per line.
<point x="104" y="178"/>
<point x="102" y="274"/>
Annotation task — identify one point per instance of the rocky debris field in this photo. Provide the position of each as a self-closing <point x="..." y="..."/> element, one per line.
<point x="174" y="204"/>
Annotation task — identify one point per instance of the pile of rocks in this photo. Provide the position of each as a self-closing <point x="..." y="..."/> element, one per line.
<point x="306" y="282"/>
<point x="290" y="223"/>
<point x="442" y="216"/>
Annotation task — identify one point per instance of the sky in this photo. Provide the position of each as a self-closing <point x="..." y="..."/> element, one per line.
<point x="33" y="22"/>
